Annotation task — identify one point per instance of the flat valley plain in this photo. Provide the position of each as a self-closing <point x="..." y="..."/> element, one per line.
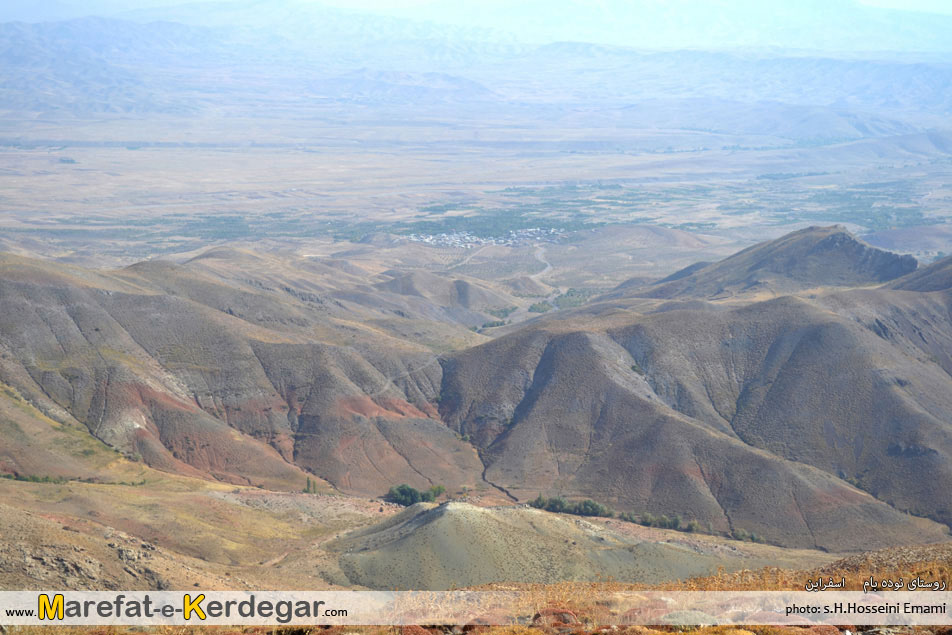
<point x="125" y="191"/>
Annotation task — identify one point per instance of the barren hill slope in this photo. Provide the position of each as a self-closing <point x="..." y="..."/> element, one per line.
<point x="457" y="545"/>
<point x="812" y="257"/>
<point x="935" y="277"/>
<point x="197" y="376"/>
<point x="773" y="417"/>
<point x="789" y="417"/>
<point x="575" y="416"/>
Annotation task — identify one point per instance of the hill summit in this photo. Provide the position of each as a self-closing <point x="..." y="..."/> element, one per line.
<point x="457" y="544"/>
<point x="811" y="257"/>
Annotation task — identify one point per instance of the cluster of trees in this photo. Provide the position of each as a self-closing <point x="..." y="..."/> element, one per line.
<point x="691" y="526"/>
<point x="662" y="522"/>
<point x="406" y="495"/>
<point x="34" y="479"/>
<point x="741" y="534"/>
<point x="561" y="506"/>
<point x="573" y="297"/>
<point x="591" y="508"/>
<point x="502" y="313"/>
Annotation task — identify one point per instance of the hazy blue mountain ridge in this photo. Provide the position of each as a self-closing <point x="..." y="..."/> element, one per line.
<point x="312" y="56"/>
<point x="838" y="25"/>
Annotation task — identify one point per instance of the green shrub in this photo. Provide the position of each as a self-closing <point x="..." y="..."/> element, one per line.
<point x="573" y="298"/>
<point x="502" y="313"/>
<point x="591" y="508"/>
<point x="32" y="478"/>
<point x="559" y="505"/>
<point x="406" y="495"/>
<point x="663" y="522"/>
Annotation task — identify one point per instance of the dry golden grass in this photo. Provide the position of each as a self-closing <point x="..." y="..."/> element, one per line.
<point x="854" y="570"/>
<point x="889" y="563"/>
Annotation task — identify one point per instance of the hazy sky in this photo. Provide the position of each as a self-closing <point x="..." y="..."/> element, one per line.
<point x="931" y="6"/>
<point x="934" y="6"/>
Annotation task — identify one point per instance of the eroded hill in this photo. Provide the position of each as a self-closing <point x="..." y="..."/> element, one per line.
<point x="807" y="258"/>
<point x="457" y="545"/>
<point x="791" y="417"/>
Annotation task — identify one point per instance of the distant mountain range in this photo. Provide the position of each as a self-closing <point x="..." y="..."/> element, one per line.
<point x="816" y="25"/>
<point x="838" y="26"/>
<point x="248" y="59"/>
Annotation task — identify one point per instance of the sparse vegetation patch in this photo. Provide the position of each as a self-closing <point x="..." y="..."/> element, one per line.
<point x="540" y="307"/>
<point x="559" y="505"/>
<point x="406" y="495"/>
<point x="502" y="313"/>
<point x="574" y="297"/>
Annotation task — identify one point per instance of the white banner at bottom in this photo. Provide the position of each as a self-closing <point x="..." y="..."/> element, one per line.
<point x="365" y="608"/>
